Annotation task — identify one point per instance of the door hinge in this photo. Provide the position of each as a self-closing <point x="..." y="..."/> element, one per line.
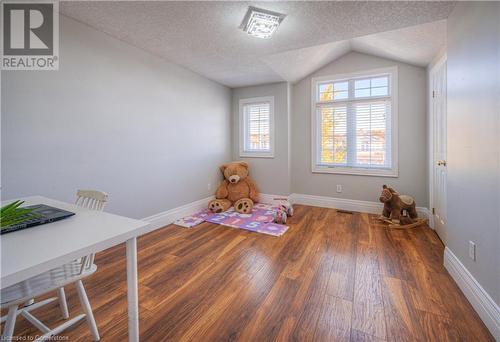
<point x="433" y="94"/>
<point x="433" y="211"/>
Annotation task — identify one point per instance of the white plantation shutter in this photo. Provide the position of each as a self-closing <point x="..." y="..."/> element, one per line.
<point x="258" y="131"/>
<point x="372" y="132"/>
<point x="256" y="127"/>
<point x="354" y="124"/>
<point x="333" y="135"/>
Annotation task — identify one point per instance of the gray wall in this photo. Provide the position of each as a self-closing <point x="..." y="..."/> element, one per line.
<point x="473" y="140"/>
<point x="115" y="118"/>
<point x="272" y="175"/>
<point x="412" y="178"/>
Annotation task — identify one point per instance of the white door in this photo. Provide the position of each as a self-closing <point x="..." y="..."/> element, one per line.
<point x="438" y="112"/>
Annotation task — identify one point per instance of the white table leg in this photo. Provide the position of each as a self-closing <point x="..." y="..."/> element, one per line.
<point x="132" y="292"/>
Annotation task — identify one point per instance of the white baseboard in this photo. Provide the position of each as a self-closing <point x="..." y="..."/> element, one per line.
<point x="167" y="217"/>
<point x="270" y="199"/>
<point x="348" y="204"/>
<point x="426" y="213"/>
<point x="337" y="203"/>
<point x="484" y="305"/>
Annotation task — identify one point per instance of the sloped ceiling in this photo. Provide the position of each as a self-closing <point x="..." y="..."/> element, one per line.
<point x="204" y="36"/>
<point x="416" y="45"/>
<point x="294" y="65"/>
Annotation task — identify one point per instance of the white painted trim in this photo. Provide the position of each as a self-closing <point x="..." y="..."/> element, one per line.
<point x="434" y="66"/>
<point x="256" y="155"/>
<point x="440" y="58"/>
<point x="430" y="137"/>
<point x="356" y="171"/>
<point x="484" y="305"/>
<point x="167" y="217"/>
<point x="347" y="204"/>
<point x="394" y="96"/>
<point x="355" y="74"/>
<point x="271" y="199"/>
<point x="242" y="128"/>
<point x="427" y="214"/>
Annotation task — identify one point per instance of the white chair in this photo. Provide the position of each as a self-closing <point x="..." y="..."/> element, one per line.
<point x="91" y="199"/>
<point x="18" y="298"/>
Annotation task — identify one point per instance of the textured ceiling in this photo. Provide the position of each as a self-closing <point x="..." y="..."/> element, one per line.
<point x="204" y="36"/>
<point x="294" y="65"/>
<point x="416" y="45"/>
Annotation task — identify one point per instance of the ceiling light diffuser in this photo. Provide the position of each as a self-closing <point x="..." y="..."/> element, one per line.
<point x="261" y="23"/>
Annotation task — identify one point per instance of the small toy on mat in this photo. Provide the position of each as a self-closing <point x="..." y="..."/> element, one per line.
<point x="284" y="210"/>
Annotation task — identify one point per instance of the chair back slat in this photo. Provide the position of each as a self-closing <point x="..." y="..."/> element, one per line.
<point x="93" y="200"/>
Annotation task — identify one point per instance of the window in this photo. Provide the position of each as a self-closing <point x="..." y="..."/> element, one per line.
<point x="257" y="127"/>
<point x="355" y="123"/>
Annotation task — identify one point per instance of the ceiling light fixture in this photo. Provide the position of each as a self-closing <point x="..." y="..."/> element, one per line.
<point x="261" y="23"/>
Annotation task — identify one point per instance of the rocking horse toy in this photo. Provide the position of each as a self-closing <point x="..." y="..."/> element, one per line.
<point x="399" y="210"/>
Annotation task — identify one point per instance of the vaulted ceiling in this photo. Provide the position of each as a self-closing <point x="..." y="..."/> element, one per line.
<point x="205" y="36"/>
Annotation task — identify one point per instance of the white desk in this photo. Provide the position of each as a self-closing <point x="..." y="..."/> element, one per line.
<point x="27" y="253"/>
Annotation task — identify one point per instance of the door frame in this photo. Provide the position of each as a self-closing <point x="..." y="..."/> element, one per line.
<point x="439" y="63"/>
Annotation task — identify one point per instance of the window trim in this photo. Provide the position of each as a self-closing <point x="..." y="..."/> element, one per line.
<point x="393" y="86"/>
<point x="242" y="128"/>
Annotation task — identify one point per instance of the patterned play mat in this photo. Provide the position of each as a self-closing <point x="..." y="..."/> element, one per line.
<point x="260" y="220"/>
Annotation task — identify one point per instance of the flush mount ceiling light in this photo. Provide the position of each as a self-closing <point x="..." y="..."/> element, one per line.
<point x="261" y="23"/>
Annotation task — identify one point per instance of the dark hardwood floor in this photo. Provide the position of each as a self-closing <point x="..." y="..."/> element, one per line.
<point x="331" y="277"/>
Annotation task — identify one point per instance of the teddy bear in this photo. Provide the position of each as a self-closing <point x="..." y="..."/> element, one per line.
<point x="395" y="204"/>
<point x="237" y="189"/>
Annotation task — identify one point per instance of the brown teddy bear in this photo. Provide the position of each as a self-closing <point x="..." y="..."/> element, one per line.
<point x="395" y="204"/>
<point x="236" y="189"/>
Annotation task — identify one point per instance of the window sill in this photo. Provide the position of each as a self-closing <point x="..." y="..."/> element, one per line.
<point x="356" y="171"/>
<point x="256" y="155"/>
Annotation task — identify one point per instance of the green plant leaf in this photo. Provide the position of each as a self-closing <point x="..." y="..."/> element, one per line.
<point x="12" y="214"/>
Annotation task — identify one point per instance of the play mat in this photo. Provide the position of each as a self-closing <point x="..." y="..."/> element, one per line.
<point x="260" y="220"/>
